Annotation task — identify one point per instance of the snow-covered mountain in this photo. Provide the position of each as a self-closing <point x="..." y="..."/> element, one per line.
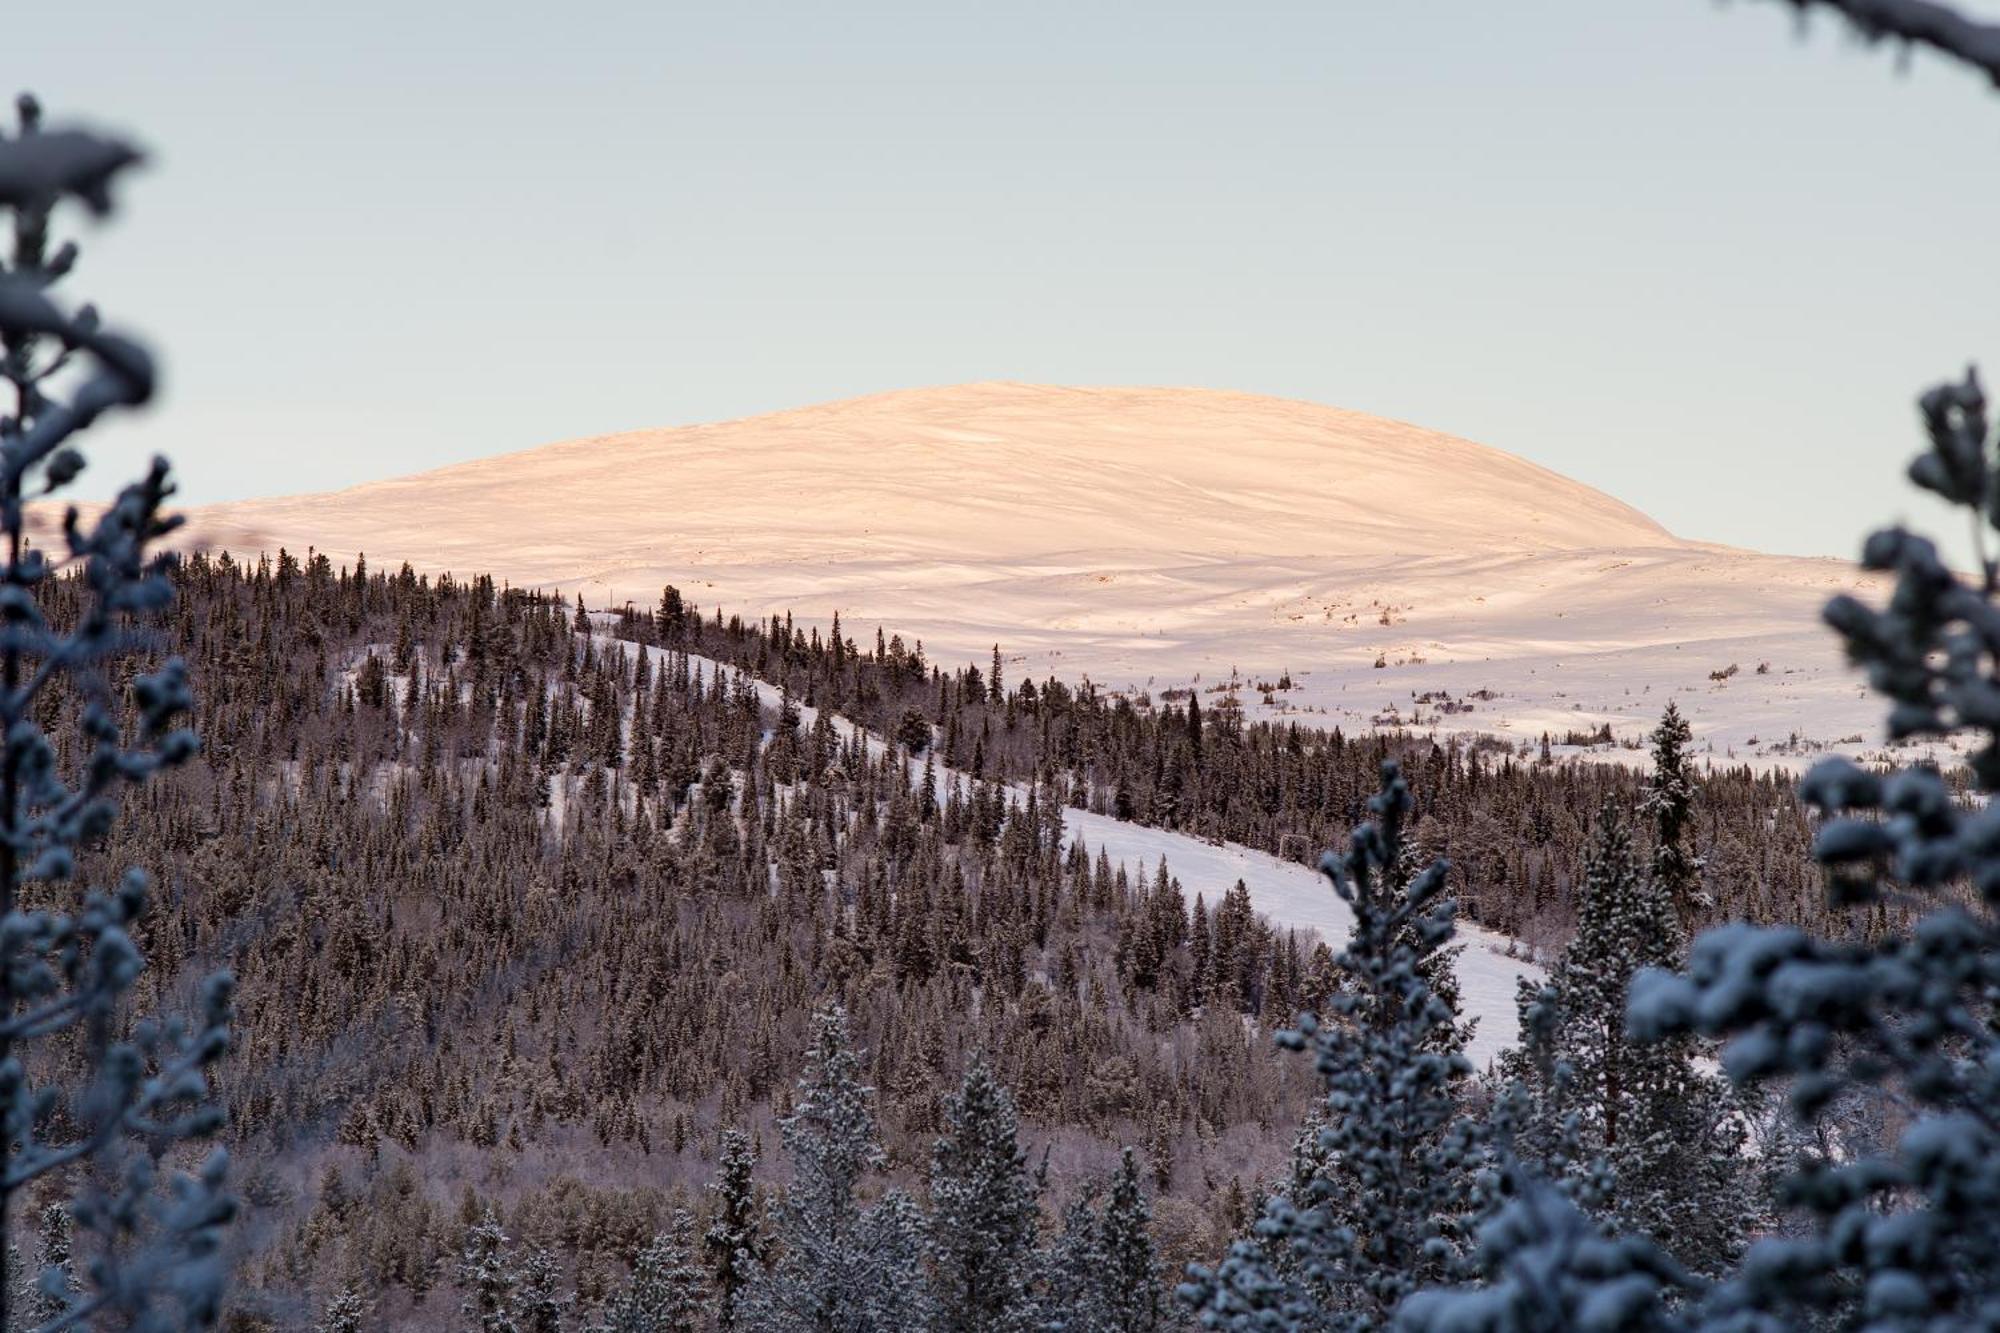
<point x="1147" y="538"/>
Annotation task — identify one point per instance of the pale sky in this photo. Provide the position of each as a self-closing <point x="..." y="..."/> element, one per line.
<point x="1667" y="247"/>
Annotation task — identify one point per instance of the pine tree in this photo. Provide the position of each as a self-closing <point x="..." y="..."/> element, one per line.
<point x="734" y="1242"/>
<point x="983" y="1212"/>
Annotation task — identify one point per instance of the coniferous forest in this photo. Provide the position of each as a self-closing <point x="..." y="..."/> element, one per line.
<point x="403" y="950"/>
<point x="558" y="907"/>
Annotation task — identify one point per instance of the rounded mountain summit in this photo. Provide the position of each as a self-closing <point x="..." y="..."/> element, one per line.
<point x="1140" y="537"/>
<point x="974" y="472"/>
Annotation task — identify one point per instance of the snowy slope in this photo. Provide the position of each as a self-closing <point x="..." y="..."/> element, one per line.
<point x="1292" y="896"/>
<point x="1288" y="895"/>
<point x="1146" y="538"/>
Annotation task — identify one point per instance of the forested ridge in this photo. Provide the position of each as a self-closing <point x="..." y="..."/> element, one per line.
<point x="522" y="916"/>
<point x="489" y="938"/>
<point x="1514" y="829"/>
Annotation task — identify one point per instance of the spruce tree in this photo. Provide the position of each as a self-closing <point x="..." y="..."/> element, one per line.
<point x="1131" y="1278"/>
<point x="1904" y="1233"/>
<point x="821" y="1281"/>
<point x="668" y="1292"/>
<point x="343" y="1313"/>
<point x="542" y="1301"/>
<point x="1073" y="1269"/>
<point x="1437" y="968"/>
<point x="983" y="1212"/>
<point x="895" y="1290"/>
<point x="486" y="1272"/>
<point x="1670" y="800"/>
<point x="1893" y="1232"/>
<point x="56" y="1287"/>
<point x="1395" y="1175"/>
<point x="1665" y="1134"/>
<point x="734" y="1242"/>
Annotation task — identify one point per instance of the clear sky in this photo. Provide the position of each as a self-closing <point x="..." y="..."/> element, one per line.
<point x="1668" y="247"/>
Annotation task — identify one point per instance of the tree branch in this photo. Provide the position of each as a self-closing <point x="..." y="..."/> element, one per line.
<point x="1921" y="23"/>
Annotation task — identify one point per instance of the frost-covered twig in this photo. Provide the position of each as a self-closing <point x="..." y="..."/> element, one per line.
<point x="154" y="1259"/>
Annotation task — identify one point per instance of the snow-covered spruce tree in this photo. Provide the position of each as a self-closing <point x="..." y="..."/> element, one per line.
<point x="668" y="1292"/>
<point x="543" y="1301"/>
<point x="983" y="1211"/>
<point x="1397" y="1181"/>
<point x="1072" y="1272"/>
<point x="1666" y="1133"/>
<point x="1535" y="1118"/>
<point x="1437" y="968"/>
<point x="343" y="1313"/>
<point x="1099" y="1273"/>
<point x="1550" y="1269"/>
<point x="486" y="1272"/>
<point x="1131" y="1274"/>
<point x="1906" y="1238"/>
<point x="95" y="1104"/>
<point x="734" y="1241"/>
<point x="825" y="1277"/>
<point x="897" y="1291"/>
<point x="1670" y="801"/>
<point x="1909" y="1237"/>
<point x="55" y="1287"/>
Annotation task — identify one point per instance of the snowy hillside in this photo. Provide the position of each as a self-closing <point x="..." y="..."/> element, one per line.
<point x="1147" y="538"/>
<point x="1289" y="895"/>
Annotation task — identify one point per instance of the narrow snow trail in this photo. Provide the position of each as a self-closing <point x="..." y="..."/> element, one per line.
<point x="1288" y="895"/>
<point x="1293" y="896"/>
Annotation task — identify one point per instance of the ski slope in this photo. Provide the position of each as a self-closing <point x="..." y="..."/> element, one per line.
<point x="1147" y="538"/>
<point x="1289" y="896"/>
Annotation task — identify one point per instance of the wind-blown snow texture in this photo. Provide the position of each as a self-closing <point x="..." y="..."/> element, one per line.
<point x="1142" y="538"/>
